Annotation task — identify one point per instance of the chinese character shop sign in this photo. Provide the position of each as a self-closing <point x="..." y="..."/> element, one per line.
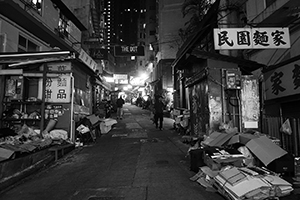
<point x="283" y="81"/>
<point x="251" y="38"/>
<point x="58" y="89"/>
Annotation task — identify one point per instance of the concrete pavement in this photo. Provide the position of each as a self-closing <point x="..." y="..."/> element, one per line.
<point x="133" y="161"/>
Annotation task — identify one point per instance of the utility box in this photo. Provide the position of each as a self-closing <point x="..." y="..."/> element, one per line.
<point x="233" y="79"/>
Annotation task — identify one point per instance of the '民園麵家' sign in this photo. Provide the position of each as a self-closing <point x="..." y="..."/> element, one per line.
<point x="251" y="38"/>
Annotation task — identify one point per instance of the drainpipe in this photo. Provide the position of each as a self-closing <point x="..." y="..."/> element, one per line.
<point x="72" y="124"/>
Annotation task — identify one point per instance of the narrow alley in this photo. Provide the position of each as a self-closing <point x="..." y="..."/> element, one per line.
<point x="133" y="161"/>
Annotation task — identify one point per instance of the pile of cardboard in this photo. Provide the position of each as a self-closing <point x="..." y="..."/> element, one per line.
<point x="233" y="171"/>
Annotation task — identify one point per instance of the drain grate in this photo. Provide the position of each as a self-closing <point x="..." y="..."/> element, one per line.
<point x="162" y="162"/>
<point x="106" y="198"/>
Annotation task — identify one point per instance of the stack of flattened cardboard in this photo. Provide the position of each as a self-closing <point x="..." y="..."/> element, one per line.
<point x="235" y="180"/>
<point x="239" y="183"/>
<point x="216" y="157"/>
<point x="250" y="183"/>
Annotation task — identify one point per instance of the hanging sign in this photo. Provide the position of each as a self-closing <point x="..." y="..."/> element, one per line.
<point x="58" y="89"/>
<point x="129" y="50"/>
<point x="251" y="38"/>
<point x="120" y="76"/>
<point x="58" y="67"/>
<point x="99" y="53"/>
<point x="86" y="59"/>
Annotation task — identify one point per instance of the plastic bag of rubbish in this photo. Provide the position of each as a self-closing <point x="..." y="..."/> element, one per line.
<point x="83" y="129"/>
<point x="58" y="134"/>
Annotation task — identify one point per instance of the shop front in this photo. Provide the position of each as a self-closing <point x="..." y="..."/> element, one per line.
<point x="221" y="93"/>
<point x="281" y="115"/>
<point x="45" y="94"/>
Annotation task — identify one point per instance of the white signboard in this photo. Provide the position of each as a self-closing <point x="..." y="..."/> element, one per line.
<point x="58" y="66"/>
<point x="58" y="89"/>
<point x="283" y="81"/>
<point x="136" y="81"/>
<point x="251" y="38"/>
<point x="88" y="60"/>
<point x="120" y="76"/>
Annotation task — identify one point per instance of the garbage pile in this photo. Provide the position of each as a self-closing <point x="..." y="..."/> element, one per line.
<point x="27" y="140"/>
<point x="235" y="165"/>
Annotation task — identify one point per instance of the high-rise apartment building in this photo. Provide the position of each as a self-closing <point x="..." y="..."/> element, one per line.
<point x="121" y="19"/>
<point x="109" y="21"/>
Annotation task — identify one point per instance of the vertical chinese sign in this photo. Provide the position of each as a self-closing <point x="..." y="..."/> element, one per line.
<point x="58" y="88"/>
<point x="251" y="38"/>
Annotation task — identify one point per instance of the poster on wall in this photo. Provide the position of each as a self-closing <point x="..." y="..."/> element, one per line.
<point x="250" y="102"/>
<point x="58" y="89"/>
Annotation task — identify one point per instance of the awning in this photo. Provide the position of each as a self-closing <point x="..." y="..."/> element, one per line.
<point x="23" y="58"/>
<point x="107" y="74"/>
<point x="245" y="65"/>
<point x="20" y="60"/>
<point x="105" y="85"/>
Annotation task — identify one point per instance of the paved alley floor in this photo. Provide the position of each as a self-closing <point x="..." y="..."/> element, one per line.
<point x="134" y="161"/>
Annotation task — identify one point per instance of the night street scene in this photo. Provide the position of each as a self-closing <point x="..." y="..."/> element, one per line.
<point x="149" y="99"/>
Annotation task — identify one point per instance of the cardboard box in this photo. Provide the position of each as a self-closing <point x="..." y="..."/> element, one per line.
<point x="104" y="129"/>
<point x="265" y="150"/>
<point x="109" y="121"/>
<point x="93" y="119"/>
<point x="5" y="154"/>
<point x="217" y="139"/>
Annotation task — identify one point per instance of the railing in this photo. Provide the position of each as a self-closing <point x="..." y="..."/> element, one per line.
<point x="289" y="142"/>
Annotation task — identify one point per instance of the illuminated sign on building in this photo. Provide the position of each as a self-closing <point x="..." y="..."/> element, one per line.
<point x="129" y="51"/>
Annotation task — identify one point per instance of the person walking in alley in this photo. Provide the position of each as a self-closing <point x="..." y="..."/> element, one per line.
<point x="159" y="112"/>
<point x="120" y="103"/>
